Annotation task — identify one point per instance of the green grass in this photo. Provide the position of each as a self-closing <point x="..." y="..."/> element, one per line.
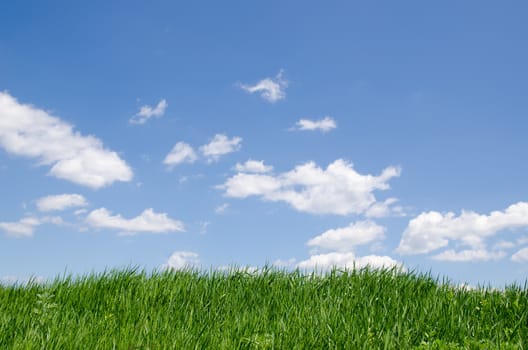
<point x="355" y="309"/>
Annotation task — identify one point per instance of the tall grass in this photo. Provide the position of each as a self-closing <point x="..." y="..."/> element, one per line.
<point x="267" y="309"/>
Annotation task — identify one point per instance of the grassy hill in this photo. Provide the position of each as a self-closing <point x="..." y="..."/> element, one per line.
<point x="268" y="309"/>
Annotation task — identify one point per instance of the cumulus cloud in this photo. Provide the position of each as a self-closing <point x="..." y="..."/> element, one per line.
<point x="271" y="90"/>
<point x="26" y="226"/>
<point x="253" y="166"/>
<point x="347" y="260"/>
<point x="61" y="202"/>
<point x="521" y="256"/>
<point x="180" y="153"/>
<point x="147" y="221"/>
<point x="432" y="230"/>
<point x="31" y="132"/>
<point x="146" y="112"/>
<point x="326" y="124"/>
<point x="338" y="189"/>
<point x="469" y="255"/>
<point x="182" y="260"/>
<point x="23" y="228"/>
<point x="219" y="146"/>
<point x="347" y="238"/>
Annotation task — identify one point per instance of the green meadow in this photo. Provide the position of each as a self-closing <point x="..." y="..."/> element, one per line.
<point x="266" y="309"/>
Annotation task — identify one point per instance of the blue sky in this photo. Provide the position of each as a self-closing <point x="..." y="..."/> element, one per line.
<point x="298" y="133"/>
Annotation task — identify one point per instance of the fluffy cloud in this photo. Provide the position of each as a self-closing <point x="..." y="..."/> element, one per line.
<point x="147" y="221"/>
<point x="180" y="153"/>
<point x="272" y="90"/>
<point x="61" y="202"/>
<point x="146" y="112"/>
<point x="338" y="189"/>
<point x="182" y="260"/>
<point x="31" y="132"/>
<point x="253" y="166"/>
<point x="346" y="238"/>
<point x="22" y="228"/>
<point x="26" y="226"/>
<point x="324" y="125"/>
<point x="521" y="256"/>
<point x="469" y="255"/>
<point x="432" y="230"/>
<point x="219" y="146"/>
<point x="347" y="260"/>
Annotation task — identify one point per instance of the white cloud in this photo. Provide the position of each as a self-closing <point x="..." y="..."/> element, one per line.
<point x="61" y="202"/>
<point x="503" y="245"/>
<point x="26" y="226"/>
<point x="253" y="166"/>
<point x="147" y="221"/>
<point x="221" y="208"/>
<point x="180" y="153"/>
<point x="279" y="263"/>
<point x="347" y="260"/>
<point x="384" y="209"/>
<point x="326" y="124"/>
<point x="31" y="132"/>
<point x="23" y="228"/>
<point x="219" y="146"/>
<point x="21" y="281"/>
<point x="521" y="256"/>
<point x="346" y="238"/>
<point x="80" y="212"/>
<point x="204" y="225"/>
<point x="272" y="90"/>
<point x="469" y="255"/>
<point x="522" y="240"/>
<point x="146" y="112"/>
<point x="337" y="190"/>
<point x="182" y="260"/>
<point x="432" y="230"/>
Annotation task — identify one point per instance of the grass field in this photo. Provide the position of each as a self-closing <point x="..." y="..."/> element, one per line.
<point x="356" y="309"/>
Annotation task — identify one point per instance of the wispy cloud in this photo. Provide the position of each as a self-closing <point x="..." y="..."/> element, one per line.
<point x="147" y="221"/>
<point x="270" y="89"/>
<point x="521" y="256"/>
<point x="469" y="255"/>
<point x="220" y="145"/>
<point x="146" y="112"/>
<point x="60" y="202"/>
<point x="338" y="189"/>
<point x="180" y="153"/>
<point x="221" y="208"/>
<point x="326" y="124"/>
<point x="31" y="132"/>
